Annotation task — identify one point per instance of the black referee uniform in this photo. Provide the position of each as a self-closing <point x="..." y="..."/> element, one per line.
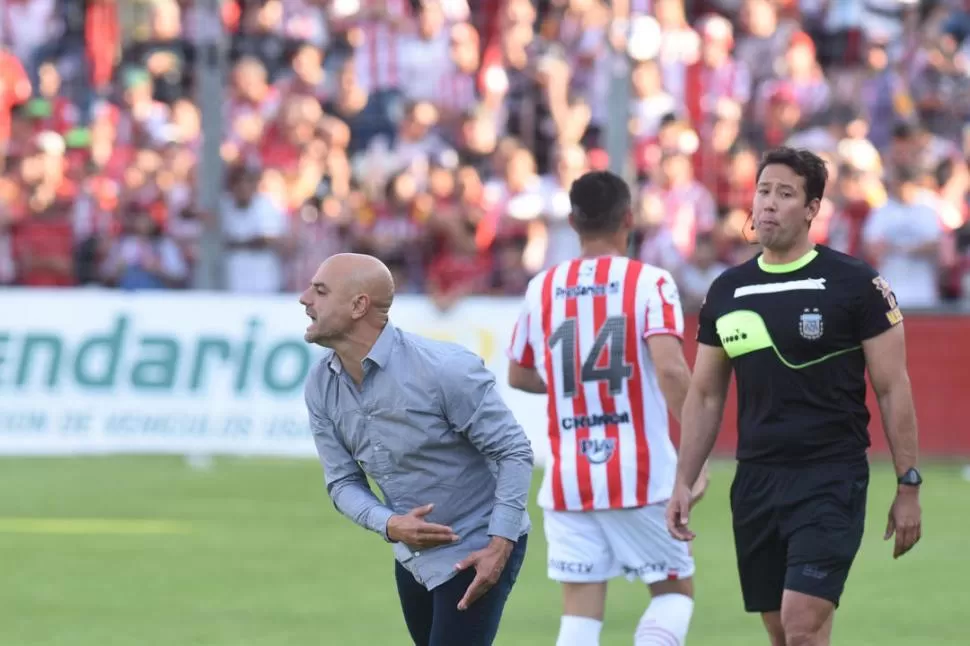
<point x="794" y="336"/>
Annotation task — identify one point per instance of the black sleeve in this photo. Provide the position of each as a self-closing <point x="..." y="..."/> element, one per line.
<point x="707" y="319"/>
<point x="877" y="310"/>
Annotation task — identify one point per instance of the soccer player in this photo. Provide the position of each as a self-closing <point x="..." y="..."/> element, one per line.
<point x="423" y="420"/>
<point x="799" y="324"/>
<point x="601" y="336"/>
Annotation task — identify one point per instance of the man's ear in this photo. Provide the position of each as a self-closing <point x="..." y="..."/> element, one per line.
<point x="813" y="208"/>
<point x="360" y="306"/>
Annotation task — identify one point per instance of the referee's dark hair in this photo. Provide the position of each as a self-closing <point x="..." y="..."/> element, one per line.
<point x="803" y="163"/>
<point x="600" y="201"/>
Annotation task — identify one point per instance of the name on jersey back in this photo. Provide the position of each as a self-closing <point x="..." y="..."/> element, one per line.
<point x="599" y="289"/>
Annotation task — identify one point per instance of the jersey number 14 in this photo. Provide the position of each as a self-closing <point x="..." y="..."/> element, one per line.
<point x="611" y="334"/>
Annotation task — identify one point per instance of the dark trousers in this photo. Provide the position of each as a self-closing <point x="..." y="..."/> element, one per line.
<point x="433" y="618"/>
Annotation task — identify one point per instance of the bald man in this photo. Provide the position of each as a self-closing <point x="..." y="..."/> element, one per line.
<point x="423" y="420"/>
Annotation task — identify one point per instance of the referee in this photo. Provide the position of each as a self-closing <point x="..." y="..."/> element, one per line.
<point x="799" y="325"/>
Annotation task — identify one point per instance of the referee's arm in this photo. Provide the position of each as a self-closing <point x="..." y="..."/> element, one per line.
<point x="886" y="361"/>
<point x="884" y="345"/>
<point x="703" y="409"/>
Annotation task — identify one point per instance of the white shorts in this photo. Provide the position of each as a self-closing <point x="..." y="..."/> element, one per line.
<point x="595" y="546"/>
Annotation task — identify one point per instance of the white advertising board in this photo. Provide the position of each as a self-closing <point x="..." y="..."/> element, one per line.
<point x="93" y="371"/>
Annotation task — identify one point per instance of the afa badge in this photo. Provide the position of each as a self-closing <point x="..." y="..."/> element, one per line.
<point x="810" y="324"/>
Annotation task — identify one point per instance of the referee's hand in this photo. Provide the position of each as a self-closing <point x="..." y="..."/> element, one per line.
<point x="417" y="533"/>
<point x="905" y="520"/>
<point x="678" y="512"/>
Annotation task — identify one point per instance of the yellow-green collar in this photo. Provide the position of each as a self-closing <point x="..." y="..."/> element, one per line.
<point x="788" y="267"/>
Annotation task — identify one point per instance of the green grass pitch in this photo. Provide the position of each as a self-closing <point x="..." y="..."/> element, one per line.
<point x="125" y="551"/>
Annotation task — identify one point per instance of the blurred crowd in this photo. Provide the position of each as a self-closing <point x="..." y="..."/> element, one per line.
<point x="443" y="135"/>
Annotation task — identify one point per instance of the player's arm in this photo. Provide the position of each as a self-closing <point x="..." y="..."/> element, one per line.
<point x="526" y="379"/>
<point x="346" y="483"/>
<point x="886" y="361"/>
<point x="475" y="409"/>
<point x="664" y="333"/>
<point x="673" y="377"/>
<point x="673" y="373"/>
<point x="522" y="371"/>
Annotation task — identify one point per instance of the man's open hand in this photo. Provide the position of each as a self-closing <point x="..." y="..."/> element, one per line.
<point x="415" y="532"/>
<point x="678" y="513"/>
<point x="488" y="563"/>
<point x="905" y="520"/>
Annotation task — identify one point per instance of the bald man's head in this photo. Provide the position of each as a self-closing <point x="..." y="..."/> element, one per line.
<point x="368" y="276"/>
<point x="348" y="290"/>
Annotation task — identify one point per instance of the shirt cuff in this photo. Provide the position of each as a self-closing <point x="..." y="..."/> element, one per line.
<point x="506" y="522"/>
<point x="377" y="520"/>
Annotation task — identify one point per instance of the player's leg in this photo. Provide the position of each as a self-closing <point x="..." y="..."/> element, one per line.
<point x="418" y="605"/>
<point x="824" y="528"/>
<point x="646" y="551"/>
<point x="668" y="616"/>
<point x="479" y="624"/>
<point x="580" y="559"/>
<point x="759" y="548"/>
<point x="583" y="605"/>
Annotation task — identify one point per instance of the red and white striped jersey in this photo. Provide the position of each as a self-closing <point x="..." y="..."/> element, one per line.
<point x="583" y="328"/>
<point x="378" y="59"/>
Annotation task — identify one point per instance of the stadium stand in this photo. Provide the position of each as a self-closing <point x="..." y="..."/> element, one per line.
<point x="442" y="136"/>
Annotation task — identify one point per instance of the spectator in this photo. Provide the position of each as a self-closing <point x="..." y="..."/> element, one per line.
<point x="144" y="257"/>
<point x="696" y="276"/>
<point x="255" y="235"/>
<point x="902" y="238"/>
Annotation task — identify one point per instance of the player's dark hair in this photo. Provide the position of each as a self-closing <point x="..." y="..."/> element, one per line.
<point x="803" y="163"/>
<point x="600" y="200"/>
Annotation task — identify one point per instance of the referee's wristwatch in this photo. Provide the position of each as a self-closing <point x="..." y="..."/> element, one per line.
<point x="911" y="478"/>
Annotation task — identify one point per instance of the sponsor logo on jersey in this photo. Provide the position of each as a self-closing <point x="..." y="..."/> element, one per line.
<point x="600" y="289"/>
<point x="591" y="421"/>
<point x="894" y="316"/>
<point x="810" y="324"/>
<point x="598" y="451"/>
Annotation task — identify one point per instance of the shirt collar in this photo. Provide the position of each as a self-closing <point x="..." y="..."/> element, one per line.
<point x="379" y="353"/>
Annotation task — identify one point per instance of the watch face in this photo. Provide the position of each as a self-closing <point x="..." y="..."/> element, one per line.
<point x="911" y="477"/>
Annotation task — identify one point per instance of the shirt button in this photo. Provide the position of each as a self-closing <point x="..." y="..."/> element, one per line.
<point x="417" y="553"/>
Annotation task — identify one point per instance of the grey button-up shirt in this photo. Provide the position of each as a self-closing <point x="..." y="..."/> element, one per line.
<point x="428" y="426"/>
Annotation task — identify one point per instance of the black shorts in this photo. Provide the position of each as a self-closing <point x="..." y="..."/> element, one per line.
<point x="797" y="528"/>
